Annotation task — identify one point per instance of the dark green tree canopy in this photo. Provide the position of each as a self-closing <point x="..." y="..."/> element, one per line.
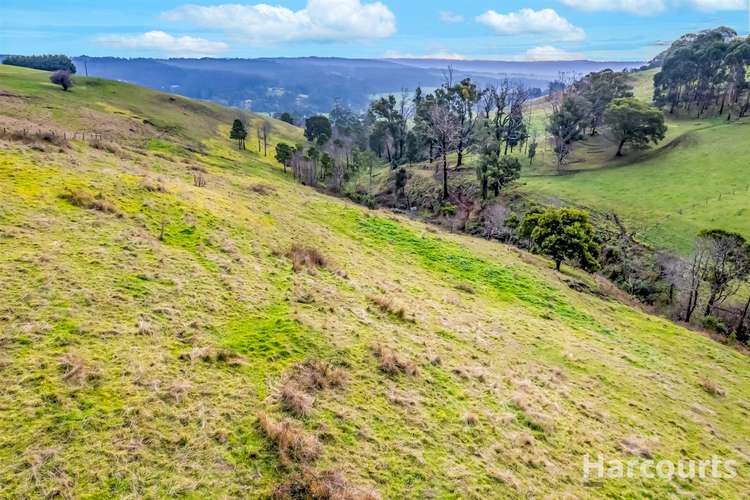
<point x="238" y="133"/>
<point x="634" y="122"/>
<point x="284" y="153"/>
<point x="47" y="62"/>
<point x="563" y="234"/>
<point x="318" y="129"/>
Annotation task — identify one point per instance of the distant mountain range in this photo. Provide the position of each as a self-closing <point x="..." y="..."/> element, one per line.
<point x="312" y="85"/>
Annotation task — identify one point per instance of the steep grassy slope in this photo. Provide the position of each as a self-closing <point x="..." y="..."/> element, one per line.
<point x="695" y="179"/>
<point x="145" y="322"/>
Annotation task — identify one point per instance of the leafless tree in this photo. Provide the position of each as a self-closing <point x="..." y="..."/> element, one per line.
<point x="444" y="131"/>
<point x="265" y="132"/>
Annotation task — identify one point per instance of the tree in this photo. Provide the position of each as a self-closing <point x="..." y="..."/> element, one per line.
<point x="635" y="122"/>
<point x="600" y="88"/>
<point x="287" y="118"/>
<point x="464" y="98"/>
<point x="318" y="129"/>
<point x="284" y="153"/>
<point x="390" y="115"/>
<point x="566" y="125"/>
<point x="444" y="131"/>
<point x="495" y="172"/>
<point x="532" y="152"/>
<point x="238" y="133"/>
<point x="727" y="264"/>
<point x="563" y="234"/>
<point x="62" y="78"/>
<point x="265" y="132"/>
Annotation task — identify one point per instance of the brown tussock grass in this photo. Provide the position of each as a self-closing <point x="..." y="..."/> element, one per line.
<point x="712" y="388"/>
<point x="153" y="185"/>
<point x="317" y="375"/>
<point x="325" y="485"/>
<point x="76" y="370"/>
<point x="386" y="306"/>
<point x="392" y="363"/>
<point x="262" y="189"/>
<point x="293" y="443"/>
<point x="295" y="400"/>
<point x="306" y="257"/>
<point x="84" y="199"/>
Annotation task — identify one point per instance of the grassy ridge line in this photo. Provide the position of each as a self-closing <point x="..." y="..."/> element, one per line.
<point x="136" y="313"/>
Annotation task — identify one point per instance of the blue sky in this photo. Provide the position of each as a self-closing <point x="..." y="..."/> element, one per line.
<point x="470" y="29"/>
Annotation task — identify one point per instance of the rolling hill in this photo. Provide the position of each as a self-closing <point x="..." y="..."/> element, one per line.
<point x="179" y="318"/>
<point x="695" y="179"/>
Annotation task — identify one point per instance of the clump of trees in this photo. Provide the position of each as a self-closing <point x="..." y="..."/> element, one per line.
<point x="61" y="78"/>
<point x="47" y="62"/>
<point x="705" y="73"/>
<point x="421" y="127"/>
<point x="603" y="98"/>
<point x="238" y="133"/>
<point x="563" y="234"/>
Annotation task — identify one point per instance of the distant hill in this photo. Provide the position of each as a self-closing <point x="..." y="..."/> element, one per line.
<point x="312" y="85"/>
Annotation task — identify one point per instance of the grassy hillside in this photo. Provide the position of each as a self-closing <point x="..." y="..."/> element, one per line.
<point x="695" y="179"/>
<point x="155" y="334"/>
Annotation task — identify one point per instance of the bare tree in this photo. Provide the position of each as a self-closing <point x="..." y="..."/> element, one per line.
<point x="265" y="132"/>
<point x="444" y="130"/>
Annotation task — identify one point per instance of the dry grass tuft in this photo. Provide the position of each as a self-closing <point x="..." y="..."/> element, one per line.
<point x="153" y="185"/>
<point x="392" y="364"/>
<point x="293" y="443"/>
<point x="84" y="199"/>
<point x="388" y="307"/>
<point x="199" y="180"/>
<point x="470" y="419"/>
<point x="317" y="375"/>
<point x="76" y="370"/>
<point x="712" y="388"/>
<point x="208" y="355"/>
<point x="109" y="147"/>
<point x="325" y="485"/>
<point x="463" y="287"/>
<point x="296" y="400"/>
<point x="634" y="445"/>
<point x="262" y="189"/>
<point x="305" y="257"/>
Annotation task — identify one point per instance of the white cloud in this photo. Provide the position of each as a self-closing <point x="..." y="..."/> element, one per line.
<point x="549" y="53"/>
<point x="160" y="41"/>
<point x="712" y="5"/>
<point x="394" y="54"/>
<point x="529" y="21"/>
<point x="451" y="17"/>
<point x="639" y="7"/>
<point x="320" y="20"/>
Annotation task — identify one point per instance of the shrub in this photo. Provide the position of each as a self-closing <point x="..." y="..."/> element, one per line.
<point x="713" y="324"/>
<point x="61" y="78"/>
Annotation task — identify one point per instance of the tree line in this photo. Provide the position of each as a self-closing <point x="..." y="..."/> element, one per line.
<point x="706" y="74"/>
<point x="46" y="62"/>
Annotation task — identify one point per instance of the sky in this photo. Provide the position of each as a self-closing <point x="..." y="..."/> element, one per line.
<point x="602" y="30"/>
